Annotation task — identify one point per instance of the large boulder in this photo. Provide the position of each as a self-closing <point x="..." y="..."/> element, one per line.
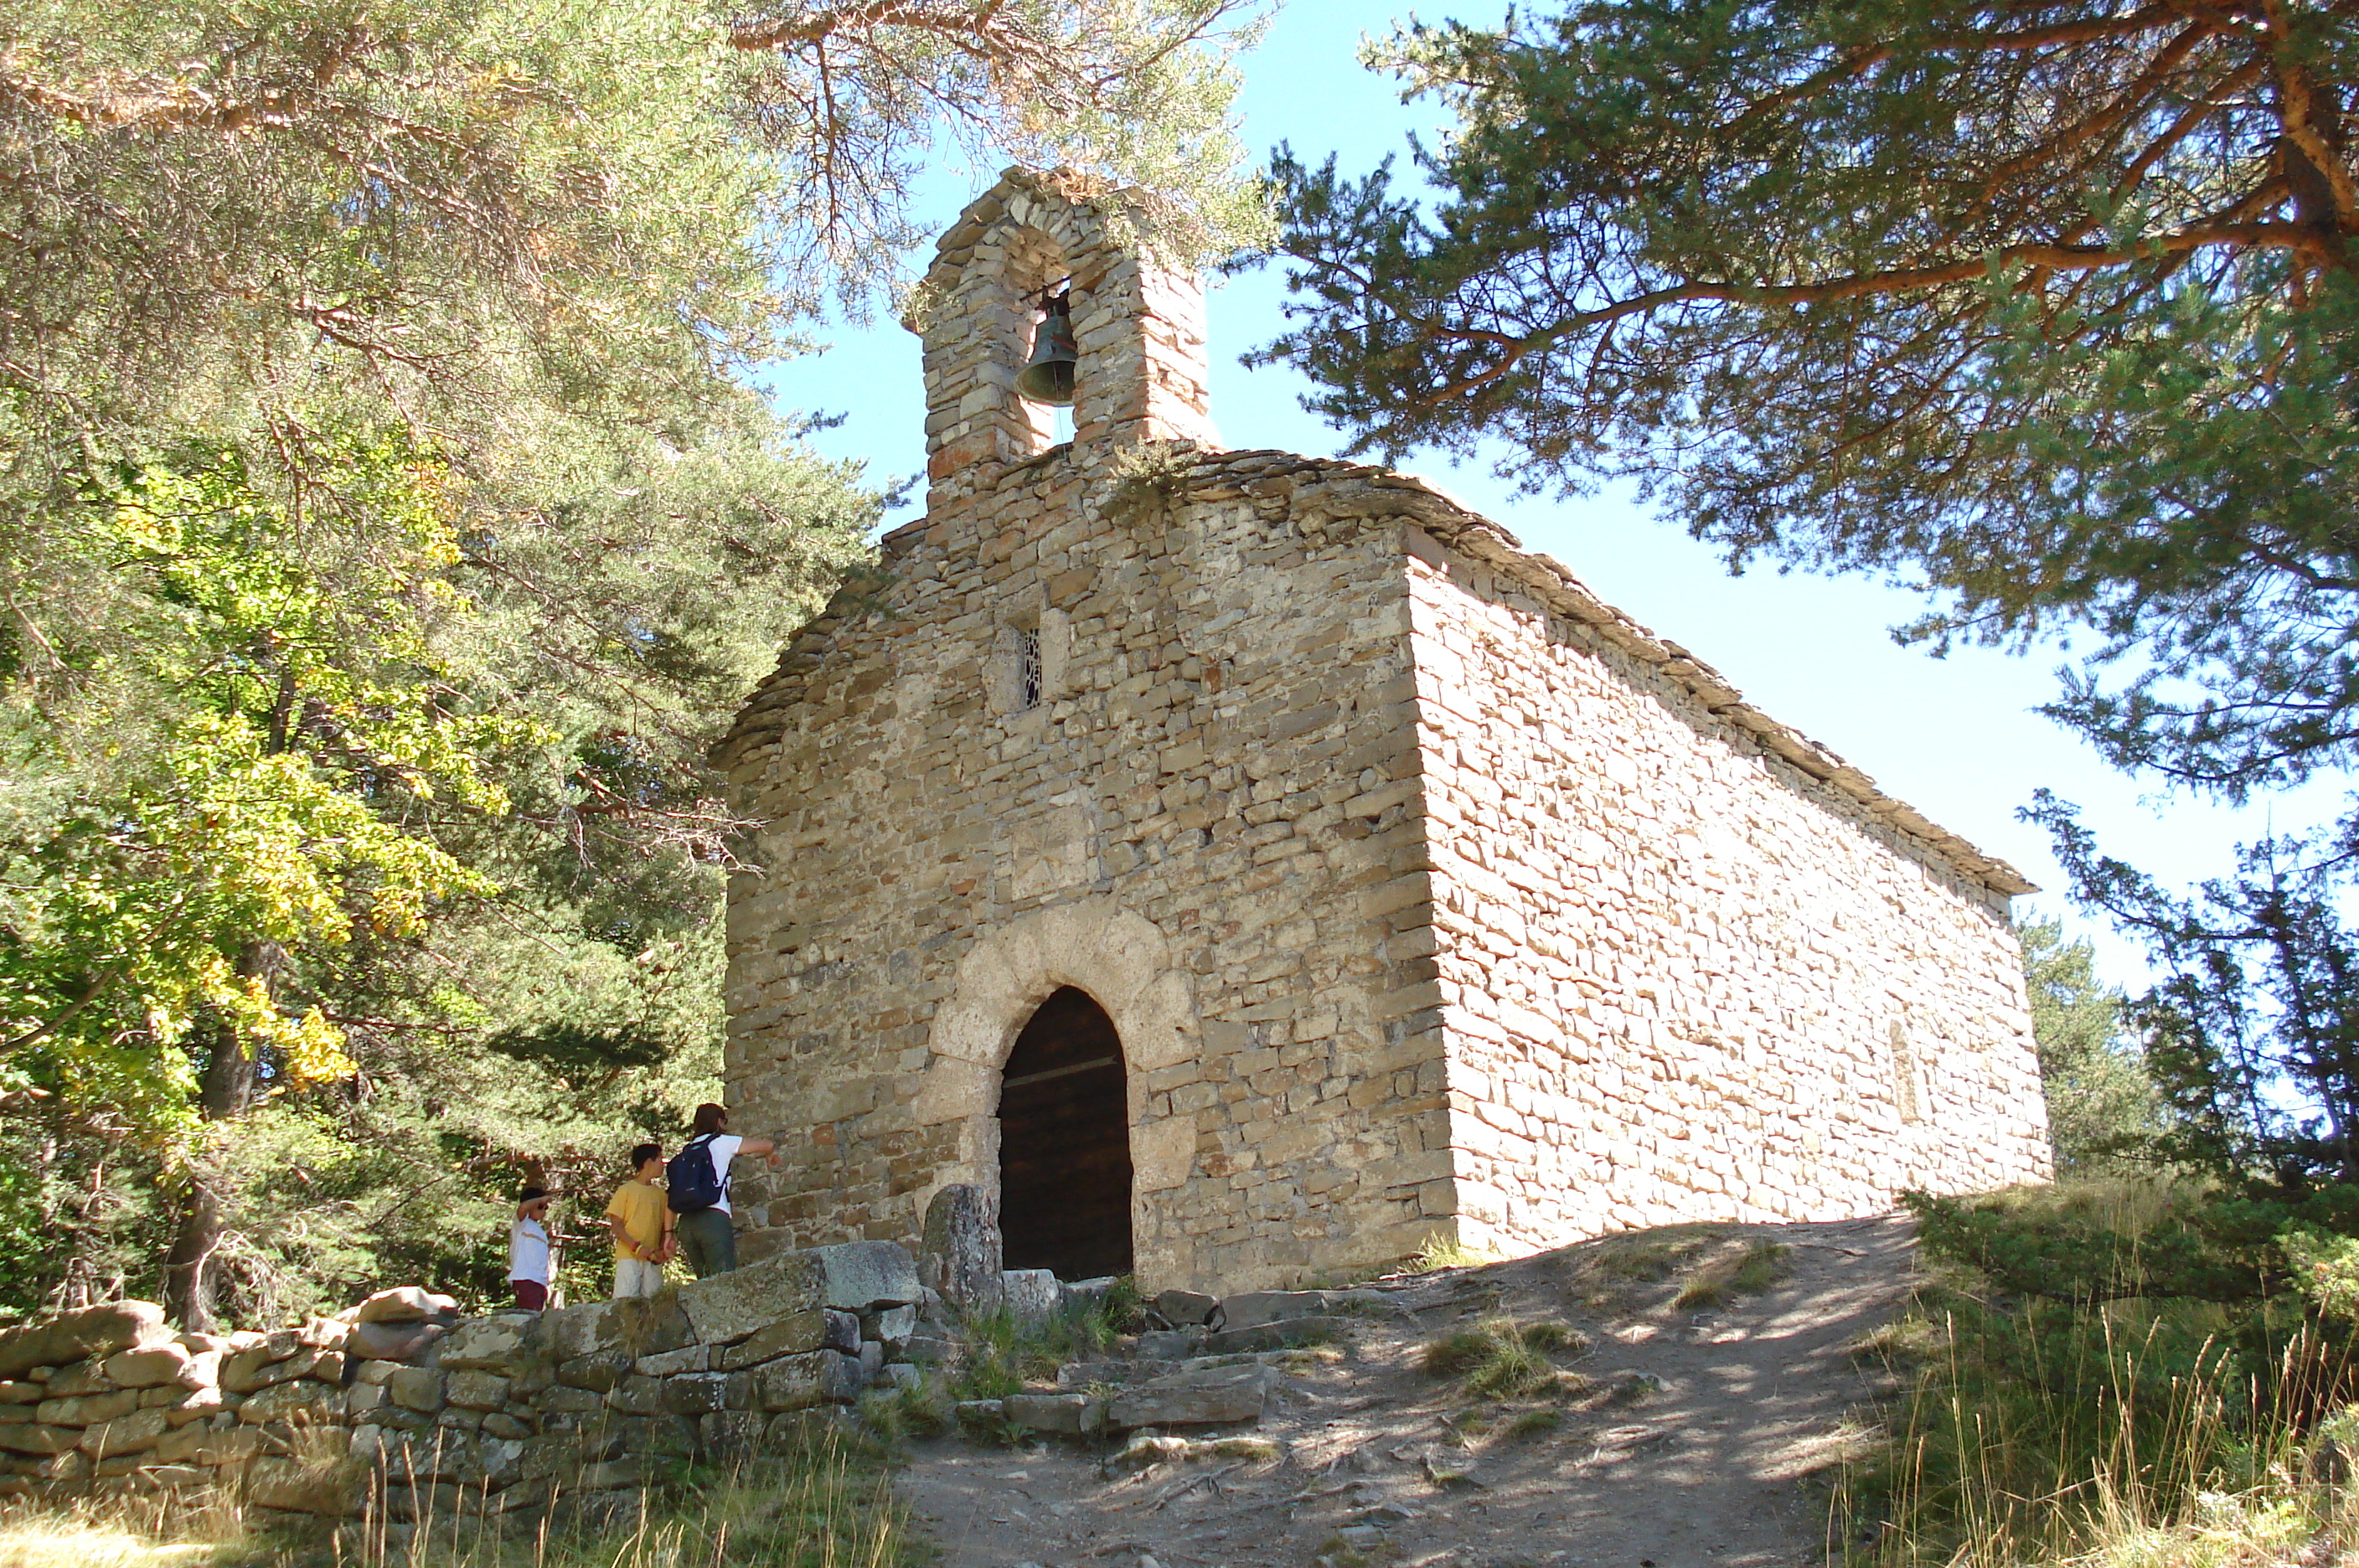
<point x="961" y="1255"/>
<point x="1209" y="1396"/>
<point x="729" y="1307"/>
<point x="865" y="1274"/>
<point x="101" y="1330"/>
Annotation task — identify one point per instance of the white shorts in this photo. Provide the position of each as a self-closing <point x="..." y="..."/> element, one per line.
<point x="636" y="1276"/>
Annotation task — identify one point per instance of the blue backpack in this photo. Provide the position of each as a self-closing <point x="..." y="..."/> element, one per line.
<point x="691" y="1185"/>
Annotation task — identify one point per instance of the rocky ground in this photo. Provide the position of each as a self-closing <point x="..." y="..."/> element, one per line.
<point x="1688" y="1423"/>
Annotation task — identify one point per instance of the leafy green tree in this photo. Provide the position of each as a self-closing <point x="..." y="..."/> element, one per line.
<point x="2101" y="1103"/>
<point x="389" y="534"/>
<point x="2047" y="307"/>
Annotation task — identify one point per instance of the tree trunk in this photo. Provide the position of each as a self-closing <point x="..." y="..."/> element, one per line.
<point x="230" y="1088"/>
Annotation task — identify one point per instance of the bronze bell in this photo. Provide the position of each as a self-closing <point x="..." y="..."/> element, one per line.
<point x="1048" y="376"/>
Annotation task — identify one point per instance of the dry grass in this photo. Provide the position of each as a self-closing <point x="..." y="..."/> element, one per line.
<point x="829" y="1507"/>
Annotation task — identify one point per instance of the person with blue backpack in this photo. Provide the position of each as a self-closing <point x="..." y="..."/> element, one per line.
<point x="696" y="1186"/>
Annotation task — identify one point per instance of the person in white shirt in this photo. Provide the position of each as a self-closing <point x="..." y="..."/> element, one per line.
<point x="706" y="1233"/>
<point x="528" y="1249"/>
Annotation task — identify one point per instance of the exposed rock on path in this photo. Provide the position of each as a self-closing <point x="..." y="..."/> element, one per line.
<point x="1685" y="1440"/>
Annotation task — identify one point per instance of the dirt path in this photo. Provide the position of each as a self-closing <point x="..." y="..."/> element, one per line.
<point x="1683" y="1444"/>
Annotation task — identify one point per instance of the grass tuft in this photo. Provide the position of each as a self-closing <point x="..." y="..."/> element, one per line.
<point x="1501" y="1359"/>
<point x="1441" y="1252"/>
<point x="1533" y="1423"/>
<point x="1721" y="1280"/>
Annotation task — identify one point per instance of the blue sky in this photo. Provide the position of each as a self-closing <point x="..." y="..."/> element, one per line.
<point x="1955" y="738"/>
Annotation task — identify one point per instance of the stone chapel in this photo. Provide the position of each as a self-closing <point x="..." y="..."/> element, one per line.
<point x="1251" y="867"/>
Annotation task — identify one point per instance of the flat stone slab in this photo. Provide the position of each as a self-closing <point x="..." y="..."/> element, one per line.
<point x="864" y="1274"/>
<point x="1253" y="1308"/>
<point x="1282" y="1335"/>
<point x="1210" y="1398"/>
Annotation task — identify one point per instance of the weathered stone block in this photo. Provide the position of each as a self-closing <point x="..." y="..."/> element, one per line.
<point x="477" y="1390"/>
<point x="196" y="1405"/>
<point x="403" y="1304"/>
<point x="790" y="1336"/>
<point x="891" y="1327"/>
<point x="864" y="1274"/>
<point x="150" y="1366"/>
<point x="302" y="1401"/>
<point x="1068" y="1415"/>
<point x="1210" y="1397"/>
<point x="133" y="1434"/>
<point x="571" y="1398"/>
<point x="799" y="1382"/>
<point x="502" y="1344"/>
<point x="88" y="1408"/>
<point x="204" y="1446"/>
<point x="330" y="1489"/>
<point x="21" y="1438"/>
<point x="1255" y="1307"/>
<point x="1185" y="1309"/>
<point x="638" y="1396"/>
<point x="961" y="1255"/>
<point x="1030" y="1294"/>
<point x="732" y="1435"/>
<point x="698" y="1393"/>
<point x="601" y="1370"/>
<point x="686" y="1359"/>
<point x="98" y="1331"/>
<point x="282" y="1357"/>
<point x="732" y="1306"/>
<point x="1278" y="1335"/>
<point x="394" y="1341"/>
<point x="843" y="1332"/>
<point x="419" y="1388"/>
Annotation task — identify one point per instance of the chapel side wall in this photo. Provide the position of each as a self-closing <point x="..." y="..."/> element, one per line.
<point x="1225" y="747"/>
<point x="1672" y="964"/>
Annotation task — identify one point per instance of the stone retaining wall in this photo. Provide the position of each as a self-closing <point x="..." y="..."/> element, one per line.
<point x="398" y="1409"/>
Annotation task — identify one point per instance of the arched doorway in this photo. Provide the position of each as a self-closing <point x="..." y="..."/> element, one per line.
<point x="1064" y="1143"/>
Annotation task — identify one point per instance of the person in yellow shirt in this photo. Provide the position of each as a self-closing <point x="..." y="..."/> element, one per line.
<point x="641" y="1223"/>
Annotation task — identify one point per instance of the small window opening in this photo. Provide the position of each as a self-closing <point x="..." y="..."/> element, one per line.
<point x="1027" y="667"/>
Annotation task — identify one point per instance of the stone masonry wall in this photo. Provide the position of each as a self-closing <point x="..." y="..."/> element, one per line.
<point x="1206" y="822"/>
<point x="1681" y="978"/>
<point x="399" y="1411"/>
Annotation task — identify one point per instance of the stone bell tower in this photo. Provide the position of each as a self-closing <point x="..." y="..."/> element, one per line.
<point x="1139" y="328"/>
